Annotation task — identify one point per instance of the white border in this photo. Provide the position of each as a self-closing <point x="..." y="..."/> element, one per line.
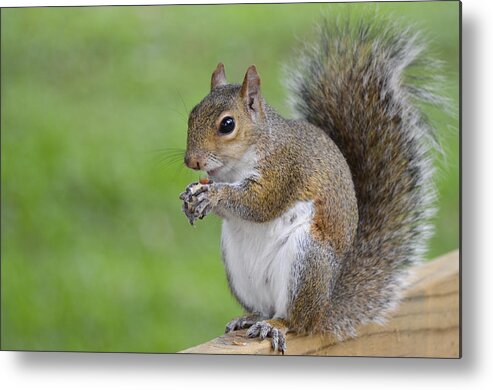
<point x="35" y="3"/>
<point x="127" y="371"/>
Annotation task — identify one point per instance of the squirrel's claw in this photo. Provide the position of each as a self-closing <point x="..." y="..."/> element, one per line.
<point x="263" y="329"/>
<point x="196" y="204"/>
<point x="243" y="322"/>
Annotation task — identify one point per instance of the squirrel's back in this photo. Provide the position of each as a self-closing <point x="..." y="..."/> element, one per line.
<point x="352" y="85"/>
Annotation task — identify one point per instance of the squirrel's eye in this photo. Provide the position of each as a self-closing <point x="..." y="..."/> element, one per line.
<point x="227" y="125"/>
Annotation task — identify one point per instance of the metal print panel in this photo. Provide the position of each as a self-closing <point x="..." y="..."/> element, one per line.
<point x="278" y="179"/>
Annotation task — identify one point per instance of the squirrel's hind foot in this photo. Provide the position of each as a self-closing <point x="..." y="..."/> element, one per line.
<point x="243" y="322"/>
<point x="274" y="329"/>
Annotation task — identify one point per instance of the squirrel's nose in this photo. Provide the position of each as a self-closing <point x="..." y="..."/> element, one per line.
<point x="192" y="162"/>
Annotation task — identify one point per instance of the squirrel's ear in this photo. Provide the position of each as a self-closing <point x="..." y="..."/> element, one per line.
<point x="218" y="77"/>
<point x="250" y="90"/>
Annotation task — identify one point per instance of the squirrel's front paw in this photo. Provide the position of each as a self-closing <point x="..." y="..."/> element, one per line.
<point x="196" y="201"/>
<point x="270" y="328"/>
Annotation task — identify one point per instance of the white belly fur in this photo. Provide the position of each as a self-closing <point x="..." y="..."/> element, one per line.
<point x="259" y="264"/>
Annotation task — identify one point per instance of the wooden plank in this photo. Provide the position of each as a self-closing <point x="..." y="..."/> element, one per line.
<point x="426" y="324"/>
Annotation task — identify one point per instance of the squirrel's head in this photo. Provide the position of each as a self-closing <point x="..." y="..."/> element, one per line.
<point x="223" y="127"/>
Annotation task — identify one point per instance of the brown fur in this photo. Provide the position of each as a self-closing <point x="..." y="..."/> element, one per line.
<point x="360" y="154"/>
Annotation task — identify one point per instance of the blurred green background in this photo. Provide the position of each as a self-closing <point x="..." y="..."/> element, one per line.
<point x="96" y="253"/>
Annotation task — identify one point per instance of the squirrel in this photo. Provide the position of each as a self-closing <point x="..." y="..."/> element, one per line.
<point x="322" y="215"/>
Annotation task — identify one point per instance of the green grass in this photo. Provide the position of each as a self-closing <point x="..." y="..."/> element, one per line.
<point x="96" y="254"/>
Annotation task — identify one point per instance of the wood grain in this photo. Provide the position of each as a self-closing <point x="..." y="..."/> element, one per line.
<point x="426" y="324"/>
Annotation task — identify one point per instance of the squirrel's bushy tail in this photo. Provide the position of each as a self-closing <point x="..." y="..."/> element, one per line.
<point x="352" y="85"/>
